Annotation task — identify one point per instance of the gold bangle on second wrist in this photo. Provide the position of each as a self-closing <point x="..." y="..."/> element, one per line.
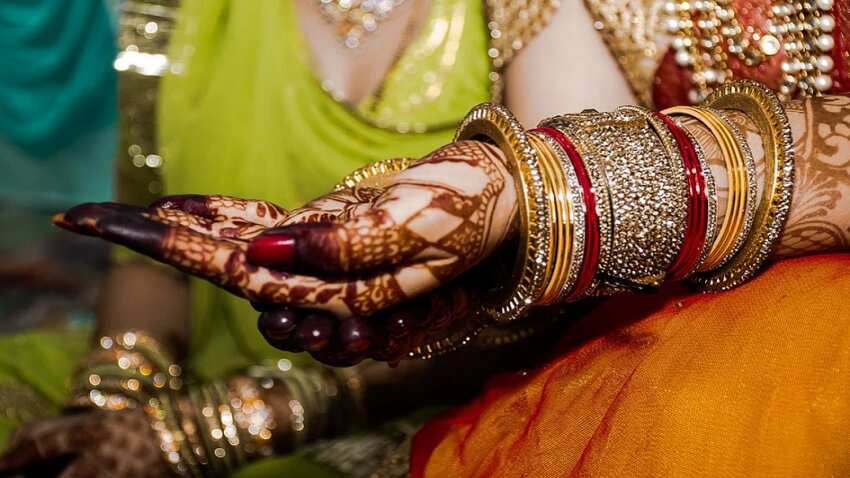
<point x="494" y="123"/>
<point x="764" y="108"/>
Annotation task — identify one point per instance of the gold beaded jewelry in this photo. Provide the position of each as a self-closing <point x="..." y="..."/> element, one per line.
<point x="707" y="32"/>
<point x="765" y="109"/>
<point x="353" y="20"/>
<point x="495" y="123"/>
<point x="740" y="169"/>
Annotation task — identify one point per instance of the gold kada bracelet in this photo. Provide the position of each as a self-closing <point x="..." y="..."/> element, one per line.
<point x="495" y="124"/>
<point x="763" y="107"/>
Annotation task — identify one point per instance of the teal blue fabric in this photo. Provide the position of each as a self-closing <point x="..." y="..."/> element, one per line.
<point x="58" y="101"/>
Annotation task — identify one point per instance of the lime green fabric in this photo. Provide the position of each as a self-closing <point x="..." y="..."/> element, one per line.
<point x="34" y="371"/>
<point x="247" y="116"/>
<point x="292" y="466"/>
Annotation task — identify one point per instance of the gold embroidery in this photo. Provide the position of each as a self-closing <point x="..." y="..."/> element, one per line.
<point x="633" y="30"/>
<point x="512" y="24"/>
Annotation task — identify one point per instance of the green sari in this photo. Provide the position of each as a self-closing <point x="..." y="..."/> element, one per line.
<point x="246" y="116"/>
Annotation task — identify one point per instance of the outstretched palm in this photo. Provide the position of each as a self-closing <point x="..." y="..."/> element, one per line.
<point x="354" y="253"/>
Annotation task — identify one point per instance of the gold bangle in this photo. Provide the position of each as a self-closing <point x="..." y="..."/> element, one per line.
<point x="557" y="197"/>
<point x="123" y="372"/>
<point x="161" y="412"/>
<point x="252" y="418"/>
<point x="187" y="421"/>
<point x="496" y="123"/>
<point x="765" y="109"/>
<point x="740" y="170"/>
<point x="573" y="214"/>
<point x="374" y="174"/>
<point x="227" y="411"/>
<point x="599" y="188"/>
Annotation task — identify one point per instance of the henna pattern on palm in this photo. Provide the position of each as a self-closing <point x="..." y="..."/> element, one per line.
<point x="373" y="252"/>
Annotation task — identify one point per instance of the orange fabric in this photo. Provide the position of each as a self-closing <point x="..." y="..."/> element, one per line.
<point x="751" y="382"/>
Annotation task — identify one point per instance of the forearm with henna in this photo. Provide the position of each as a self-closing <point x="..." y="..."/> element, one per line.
<point x="382" y="259"/>
<point x="819" y="219"/>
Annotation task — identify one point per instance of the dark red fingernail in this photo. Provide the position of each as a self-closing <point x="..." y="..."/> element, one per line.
<point x="134" y="231"/>
<point x="272" y="250"/>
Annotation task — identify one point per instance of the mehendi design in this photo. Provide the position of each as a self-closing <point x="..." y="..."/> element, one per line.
<point x="819" y="217"/>
<point x="373" y="251"/>
<point x="217" y="207"/>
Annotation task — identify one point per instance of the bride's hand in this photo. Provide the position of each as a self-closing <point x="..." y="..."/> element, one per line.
<point x="352" y="253"/>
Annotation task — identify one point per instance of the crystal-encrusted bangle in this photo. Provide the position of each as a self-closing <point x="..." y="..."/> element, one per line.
<point x="647" y="191"/>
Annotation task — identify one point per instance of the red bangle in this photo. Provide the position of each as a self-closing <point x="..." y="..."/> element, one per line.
<point x="697" y="226"/>
<point x="590" y="262"/>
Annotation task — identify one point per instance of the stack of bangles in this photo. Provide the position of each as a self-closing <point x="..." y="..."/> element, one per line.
<point x="211" y="429"/>
<point x="625" y="200"/>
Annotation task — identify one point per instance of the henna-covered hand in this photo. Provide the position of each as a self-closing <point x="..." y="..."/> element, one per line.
<point x="352" y="253"/>
<point x="89" y="444"/>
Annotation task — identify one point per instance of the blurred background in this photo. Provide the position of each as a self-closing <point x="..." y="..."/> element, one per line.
<point x="63" y="67"/>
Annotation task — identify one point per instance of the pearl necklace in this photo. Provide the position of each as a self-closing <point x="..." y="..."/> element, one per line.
<point x="706" y="32"/>
<point x="354" y="19"/>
